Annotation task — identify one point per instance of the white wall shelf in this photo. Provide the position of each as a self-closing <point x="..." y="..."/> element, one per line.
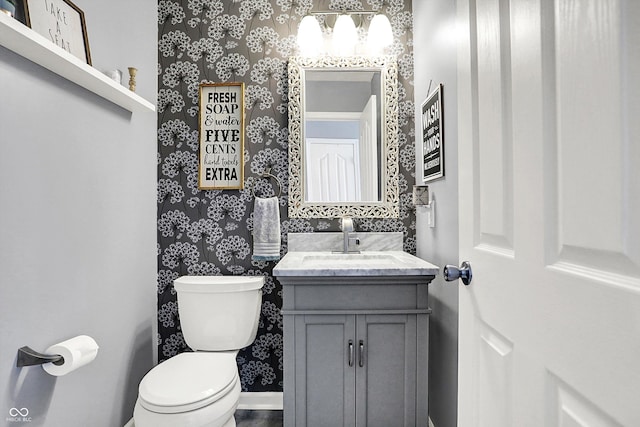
<point x="27" y="43"/>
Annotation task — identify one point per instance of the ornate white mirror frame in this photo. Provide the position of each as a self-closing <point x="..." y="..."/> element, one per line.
<point x="388" y="206"/>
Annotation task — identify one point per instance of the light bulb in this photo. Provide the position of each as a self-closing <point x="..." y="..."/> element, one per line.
<point x="310" y="38"/>
<point x="345" y="36"/>
<point x="380" y="33"/>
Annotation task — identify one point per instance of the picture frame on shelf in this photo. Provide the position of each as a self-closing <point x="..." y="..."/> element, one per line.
<point x="61" y="22"/>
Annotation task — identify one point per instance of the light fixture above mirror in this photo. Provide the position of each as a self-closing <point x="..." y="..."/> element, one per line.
<point x="344" y="39"/>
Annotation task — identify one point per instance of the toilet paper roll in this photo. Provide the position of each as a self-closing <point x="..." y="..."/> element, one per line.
<point x="76" y="352"/>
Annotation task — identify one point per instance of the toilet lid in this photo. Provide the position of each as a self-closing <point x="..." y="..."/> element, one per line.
<point x="188" y="381"/>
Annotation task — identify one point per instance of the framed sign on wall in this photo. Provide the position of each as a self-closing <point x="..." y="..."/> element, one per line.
<point x="62" y="22"/>
<point x="221" y="126"/>
<point x="432" y="144"/>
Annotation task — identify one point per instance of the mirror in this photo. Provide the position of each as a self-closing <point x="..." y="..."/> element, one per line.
<point x="343" y="137"/>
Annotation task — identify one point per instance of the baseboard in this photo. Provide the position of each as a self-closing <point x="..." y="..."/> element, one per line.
<point x="266" y="401"/>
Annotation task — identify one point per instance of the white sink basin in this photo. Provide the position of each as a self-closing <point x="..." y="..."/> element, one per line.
<point x="370" y="263"/>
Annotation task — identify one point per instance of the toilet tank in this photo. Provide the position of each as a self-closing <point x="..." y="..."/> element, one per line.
<point x="219" y="313"/>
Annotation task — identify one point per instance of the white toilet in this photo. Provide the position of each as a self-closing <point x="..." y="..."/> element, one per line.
<point x="219" y="316"/>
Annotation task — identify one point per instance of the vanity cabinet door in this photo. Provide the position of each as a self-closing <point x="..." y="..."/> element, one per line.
<point x="386" y="370"/>
<point x="324" y="377"/>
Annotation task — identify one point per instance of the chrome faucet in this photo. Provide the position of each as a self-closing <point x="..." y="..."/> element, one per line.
<point x="349" y="238"/>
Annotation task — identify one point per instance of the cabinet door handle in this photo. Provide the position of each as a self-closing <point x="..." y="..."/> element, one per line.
<point x="350" y="352"/>
<point x="361" y="353"/>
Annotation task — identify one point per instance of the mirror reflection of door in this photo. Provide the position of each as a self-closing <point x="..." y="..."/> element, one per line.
<point x="341" y="156"/>
<point x="369" y="152"/>
<point x="341" y="105"/>
<point x="333" y="166"/>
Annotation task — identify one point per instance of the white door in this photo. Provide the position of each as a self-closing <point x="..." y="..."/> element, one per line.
<point x="369" y="151"/>
<point x="333" y="173"/>
<point x="549" y="149"/>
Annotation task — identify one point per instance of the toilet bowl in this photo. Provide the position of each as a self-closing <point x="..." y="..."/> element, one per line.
<point x="219" y="315"/>
<point x="190" y="389"/>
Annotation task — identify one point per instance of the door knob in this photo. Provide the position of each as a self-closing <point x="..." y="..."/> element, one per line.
<point x="451" y="272"/>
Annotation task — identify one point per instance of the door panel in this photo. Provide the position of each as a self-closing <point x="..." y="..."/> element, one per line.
<point x="548" y="117"/>
<point x="386" y="381"/>
<point x="494" y="378"/>
<point x="588" y="127"/>
<point x="569" y="408"/>
<point x="493" y="180"/>
<point x="322" y="355"/>
<point x="587" y="123"/>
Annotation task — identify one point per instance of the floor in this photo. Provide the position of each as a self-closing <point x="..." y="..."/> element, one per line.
<point x="258" y="418"/>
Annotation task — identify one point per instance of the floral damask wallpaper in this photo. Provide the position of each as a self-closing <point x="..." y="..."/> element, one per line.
<point x="209" y="232"/>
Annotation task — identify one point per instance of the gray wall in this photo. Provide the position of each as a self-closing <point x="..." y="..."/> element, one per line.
<point x="77" y="225"/>
<point x="435" y="58"/>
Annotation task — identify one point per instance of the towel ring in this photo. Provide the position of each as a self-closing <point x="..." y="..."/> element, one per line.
<point x="267" y="174"/>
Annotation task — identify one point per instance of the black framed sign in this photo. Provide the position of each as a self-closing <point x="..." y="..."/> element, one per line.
<point x="62" y="22"/>
<point x="221" y="126"/>
<point x="432" y="144"/>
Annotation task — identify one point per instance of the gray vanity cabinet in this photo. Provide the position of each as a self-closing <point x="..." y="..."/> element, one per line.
<point x="355" y="351"/>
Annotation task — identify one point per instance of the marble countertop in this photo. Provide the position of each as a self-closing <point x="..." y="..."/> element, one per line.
<point x="366" y="263"/>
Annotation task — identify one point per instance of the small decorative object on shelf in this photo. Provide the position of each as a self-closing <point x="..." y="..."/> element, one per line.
<point x="8" y="7"/>
<point x="132" y="78"/>
<point x="115" y="75"/>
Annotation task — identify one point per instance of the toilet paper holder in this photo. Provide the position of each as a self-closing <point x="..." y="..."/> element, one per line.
<point x="29" y="357"/>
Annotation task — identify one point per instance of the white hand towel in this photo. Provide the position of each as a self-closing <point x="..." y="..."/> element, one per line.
<point x="266" y="229"/>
